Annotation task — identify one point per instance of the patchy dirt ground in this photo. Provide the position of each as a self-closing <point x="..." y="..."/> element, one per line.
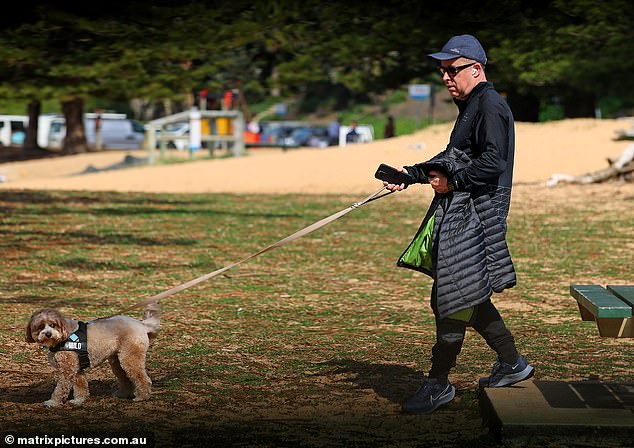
<point x="371" y="415"/>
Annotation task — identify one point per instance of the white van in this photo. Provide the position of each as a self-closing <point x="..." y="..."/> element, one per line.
<point x="51" y="129"/>
<point x="13" y="129"/>
<point x="117" y="132"/>
<point x="365" y="134"/>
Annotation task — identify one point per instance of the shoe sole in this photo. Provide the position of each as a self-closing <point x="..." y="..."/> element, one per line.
<point x="443" y="400"/>
<point x="513" y="378"/>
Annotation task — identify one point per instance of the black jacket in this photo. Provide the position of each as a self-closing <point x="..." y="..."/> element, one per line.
<point x="470" y="258"/>
<point x="485" y="132"/>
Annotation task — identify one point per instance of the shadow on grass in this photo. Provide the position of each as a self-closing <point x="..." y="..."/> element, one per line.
<point x="391" y="381"/>
<point x="92" y="238"/>
<point x="116" y="204"/>
<point x="49" y="302"/>
<point x="86" y="264"/>
<point x="47" y="197"/>
<point x="41" y="391"/>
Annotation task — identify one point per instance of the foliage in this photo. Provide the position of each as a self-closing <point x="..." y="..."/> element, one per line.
<point x="551" y="110"/>
<point x="158" y="50"/>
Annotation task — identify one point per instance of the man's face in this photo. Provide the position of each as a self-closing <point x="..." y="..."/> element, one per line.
<point x="459" y="82"/>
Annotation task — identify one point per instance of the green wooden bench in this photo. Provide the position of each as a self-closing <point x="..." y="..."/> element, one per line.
<point x="611" y="308"/>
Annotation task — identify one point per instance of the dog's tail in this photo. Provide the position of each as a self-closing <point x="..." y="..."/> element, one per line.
<point x="152" y="319"/>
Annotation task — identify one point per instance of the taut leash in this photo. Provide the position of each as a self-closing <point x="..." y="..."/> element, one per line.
<point x="300" y="233"/>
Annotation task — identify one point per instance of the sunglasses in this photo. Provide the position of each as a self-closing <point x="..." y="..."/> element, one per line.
<point x="453" y="70"/>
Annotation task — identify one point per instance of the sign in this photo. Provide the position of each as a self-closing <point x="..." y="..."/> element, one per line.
<point x="281" y="109"/>
<point x="419" y="91"/>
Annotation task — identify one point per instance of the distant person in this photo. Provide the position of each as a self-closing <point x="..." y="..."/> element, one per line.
<point x="333" y="132"/>
<point x="461" y="243"/>
<point x="252" y="134"/>
<point x="389" y="130"/>
<point x="353" y="135"/>
<point x="254" y="127"/>
<point x="98" y="128"/>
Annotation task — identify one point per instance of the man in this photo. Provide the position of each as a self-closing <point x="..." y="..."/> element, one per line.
<point x="333" y="132"/>
<point x="389" y="131"/>
<point x="352" y="136"/>
<point x="462" y="241"/>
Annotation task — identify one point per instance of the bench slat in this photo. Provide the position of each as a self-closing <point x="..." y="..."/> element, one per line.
<point x="600" y="302"/>
<point x="624" y="292"/>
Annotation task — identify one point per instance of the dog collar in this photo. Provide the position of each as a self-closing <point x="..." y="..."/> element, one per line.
<point x="76" y="342"/>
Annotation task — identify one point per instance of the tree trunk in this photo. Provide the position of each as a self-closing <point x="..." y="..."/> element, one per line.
<point x="524" y="107"/>
<point x="30" y="141"/>
<point x="622" y="169"/>
<point x="579" y="105"/>
<point x="75" y="139"/>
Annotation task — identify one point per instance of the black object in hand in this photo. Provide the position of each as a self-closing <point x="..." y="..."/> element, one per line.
<point x="392" y="176"/>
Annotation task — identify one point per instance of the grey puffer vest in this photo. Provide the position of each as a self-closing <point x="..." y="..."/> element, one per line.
<point x="469" y="256"/>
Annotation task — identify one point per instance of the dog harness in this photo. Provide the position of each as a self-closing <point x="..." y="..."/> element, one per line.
<point x="76" y="342"/>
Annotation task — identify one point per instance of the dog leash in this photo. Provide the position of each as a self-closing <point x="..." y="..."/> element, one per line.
<point x="300" y="233"/>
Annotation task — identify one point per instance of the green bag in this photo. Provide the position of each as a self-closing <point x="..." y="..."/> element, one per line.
<point x="463" y="315"/>
<point x="418" y="254"/>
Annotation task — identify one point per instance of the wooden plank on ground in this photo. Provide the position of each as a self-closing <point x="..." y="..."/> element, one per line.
<point x="557" y="407"/>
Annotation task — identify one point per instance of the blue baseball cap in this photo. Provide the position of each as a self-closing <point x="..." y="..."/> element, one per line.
<point x="465" y="46"/>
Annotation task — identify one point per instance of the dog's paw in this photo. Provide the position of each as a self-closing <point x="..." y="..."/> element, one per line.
<point x="77" y="401"/>
<point x="52" y="403"/>
<point x="141" y="398"/>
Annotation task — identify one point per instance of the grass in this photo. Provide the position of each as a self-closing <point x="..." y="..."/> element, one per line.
<point x="324" y="326"/>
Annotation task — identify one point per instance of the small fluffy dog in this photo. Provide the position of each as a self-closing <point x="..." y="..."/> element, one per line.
<point x="122" y="340"/>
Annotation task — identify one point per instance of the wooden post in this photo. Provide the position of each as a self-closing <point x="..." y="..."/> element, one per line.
<point x="238" y="135"/>
<point x="150" y="141"/>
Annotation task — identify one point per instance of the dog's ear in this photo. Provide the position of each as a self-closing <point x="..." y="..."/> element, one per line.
<point x="29" y="327"/>
<point x="63" y="325"/>
<point x="29" y="336"/>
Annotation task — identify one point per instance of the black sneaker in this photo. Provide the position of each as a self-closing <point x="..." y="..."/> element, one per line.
<point x="429" y="396"/>
<point x="504" y="374"/>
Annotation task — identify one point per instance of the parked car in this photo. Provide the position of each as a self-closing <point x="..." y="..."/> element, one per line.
<point x="307" y="136"/>
<point x="177" y="135"/>
<point x="51" y="129"/>
<point x="117" y="131"/>
<point x="12" y="129"/>
<point x="273" y="133"/>
<point x="365" y="134"/>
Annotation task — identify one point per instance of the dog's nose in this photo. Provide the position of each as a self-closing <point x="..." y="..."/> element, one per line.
<point x="48" y="333"/>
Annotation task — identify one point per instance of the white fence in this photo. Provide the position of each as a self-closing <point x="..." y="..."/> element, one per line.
<point x="223" y="127"/>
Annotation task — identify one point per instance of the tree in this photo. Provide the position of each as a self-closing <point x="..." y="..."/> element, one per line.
<point x="141" y="51"/>
<point x="30" y="140"/>
<point x="569" y="49"/>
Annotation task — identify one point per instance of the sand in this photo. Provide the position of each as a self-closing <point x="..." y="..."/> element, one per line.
<point x="542" y="149"/>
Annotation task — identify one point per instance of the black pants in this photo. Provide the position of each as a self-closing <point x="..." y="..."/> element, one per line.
<point x="450" y="337"/>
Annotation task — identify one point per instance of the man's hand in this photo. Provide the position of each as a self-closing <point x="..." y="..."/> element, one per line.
<point x="438" y="182"/>
<point x="393" y="187"/>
